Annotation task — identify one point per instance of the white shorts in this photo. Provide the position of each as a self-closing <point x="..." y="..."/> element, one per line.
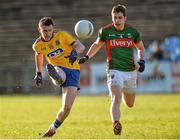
<point x="123" y="79"/>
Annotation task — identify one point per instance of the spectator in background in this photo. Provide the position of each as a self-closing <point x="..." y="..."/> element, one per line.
<point x="171" y="45"/>
<point x="157" y="53"/>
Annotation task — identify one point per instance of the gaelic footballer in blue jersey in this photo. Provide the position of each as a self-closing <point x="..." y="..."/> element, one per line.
<point x="60" y="50"/>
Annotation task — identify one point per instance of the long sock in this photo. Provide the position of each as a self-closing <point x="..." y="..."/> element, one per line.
<point x="56" y="124"/>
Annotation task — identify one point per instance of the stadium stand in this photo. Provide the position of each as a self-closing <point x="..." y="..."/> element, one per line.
<point x="18" y="26"/>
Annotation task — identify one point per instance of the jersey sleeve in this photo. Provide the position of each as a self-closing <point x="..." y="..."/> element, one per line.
<point x="137" y="36"/>
<point x="68" y="38"/>
<point x="100" y="35"/>
<point x="36" y="48"/>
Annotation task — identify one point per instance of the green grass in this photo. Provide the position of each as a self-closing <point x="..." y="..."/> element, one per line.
<point x="153" y="116"/>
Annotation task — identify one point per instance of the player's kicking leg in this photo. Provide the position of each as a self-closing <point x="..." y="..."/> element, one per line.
<point x="55" y="76"/>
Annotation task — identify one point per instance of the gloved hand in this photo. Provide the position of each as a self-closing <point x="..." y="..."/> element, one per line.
<point x="83" y="59"/>
<point x="38" y="79"/>
<point x="72" y="57"/>
<point x="142" y="65"/>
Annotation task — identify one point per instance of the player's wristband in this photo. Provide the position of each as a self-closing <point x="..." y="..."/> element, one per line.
<point x="87" y="57"/>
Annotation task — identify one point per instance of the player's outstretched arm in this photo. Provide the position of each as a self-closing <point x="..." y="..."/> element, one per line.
<point x="78" y="46"/>
<point x="95" y="47"/>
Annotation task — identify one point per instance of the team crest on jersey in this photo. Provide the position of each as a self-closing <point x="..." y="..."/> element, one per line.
<point x="57" y="42"/>
<point x="129" y="35"/>
<point x="55" y="53"/>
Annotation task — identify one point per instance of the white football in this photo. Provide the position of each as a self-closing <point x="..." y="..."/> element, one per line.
<point x="84" y="29"/>
<point x="62" y="75"/>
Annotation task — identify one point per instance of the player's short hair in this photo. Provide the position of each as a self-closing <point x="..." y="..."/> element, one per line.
<point x="46" y="21"/>
<point x="119" y="8"/>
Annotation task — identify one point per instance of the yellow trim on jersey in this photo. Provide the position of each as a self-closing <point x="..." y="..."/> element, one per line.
<point x="56" y="49"/>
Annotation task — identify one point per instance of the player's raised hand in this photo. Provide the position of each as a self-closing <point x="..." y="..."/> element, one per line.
<point x="38" y="79"/>
<point x="83" y="59"/>
<point x="72" y="57"/>
<point x="142" y="65"/>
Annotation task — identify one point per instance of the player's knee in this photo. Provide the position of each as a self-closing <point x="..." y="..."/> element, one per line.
<point x="115" y="92"/>
<point x="130" y="104"/>
<point x="115" y="88"/>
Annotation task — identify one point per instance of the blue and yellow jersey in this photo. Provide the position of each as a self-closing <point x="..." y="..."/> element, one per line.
<point x="56" y="49"/>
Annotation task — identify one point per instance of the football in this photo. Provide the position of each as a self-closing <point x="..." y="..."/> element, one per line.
<point x="62" y="75"/>
<point x="84" y="29"/>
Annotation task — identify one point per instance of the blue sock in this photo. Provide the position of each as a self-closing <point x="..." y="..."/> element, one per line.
<point x="56" y="124"/>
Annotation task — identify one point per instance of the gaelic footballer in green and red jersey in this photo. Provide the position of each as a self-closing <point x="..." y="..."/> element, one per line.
<point x="120" y="46"/>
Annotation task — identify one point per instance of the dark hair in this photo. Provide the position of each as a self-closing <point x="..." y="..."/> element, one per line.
<point x="46" y="21"/>
<point x="119" y="8"/>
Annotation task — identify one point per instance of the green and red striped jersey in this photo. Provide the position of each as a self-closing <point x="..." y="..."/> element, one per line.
<point x="120" y="46"/>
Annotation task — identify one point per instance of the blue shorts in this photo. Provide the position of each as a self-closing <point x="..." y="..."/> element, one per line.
<point x="72" y="77"/>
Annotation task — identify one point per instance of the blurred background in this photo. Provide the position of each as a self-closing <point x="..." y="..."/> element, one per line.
<point x="157" y="20"/>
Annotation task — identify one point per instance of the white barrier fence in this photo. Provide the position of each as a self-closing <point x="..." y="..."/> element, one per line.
<point x="159" y="77"/>
<point x="155" y="78"/>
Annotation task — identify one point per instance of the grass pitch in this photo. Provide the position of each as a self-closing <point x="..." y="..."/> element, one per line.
<point x="153" y="116"/>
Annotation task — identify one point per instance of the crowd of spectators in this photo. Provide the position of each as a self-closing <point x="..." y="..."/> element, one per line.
<point x="166" y="50"/>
